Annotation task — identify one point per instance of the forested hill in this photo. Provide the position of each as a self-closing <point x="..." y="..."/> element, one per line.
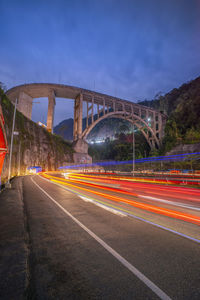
<point x="65" y="129"/>
<point x="182" y="105"/>
<point x="187" y="95"/>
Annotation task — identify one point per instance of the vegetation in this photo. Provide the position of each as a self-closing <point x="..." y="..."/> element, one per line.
<point x="121" y="148"/>
<point x="34" y="145"/>
<point x="182" y="107"/>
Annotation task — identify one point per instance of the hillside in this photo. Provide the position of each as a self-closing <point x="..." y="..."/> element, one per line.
<point x="65" y="129"/>
<point x="107" y="128"/>
<point x="182" y="105"/>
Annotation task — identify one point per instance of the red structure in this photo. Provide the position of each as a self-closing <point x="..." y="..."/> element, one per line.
<point x="3" y="140"/>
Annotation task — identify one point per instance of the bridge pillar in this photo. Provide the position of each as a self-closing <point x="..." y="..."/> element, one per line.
<point x="24" y="105"/>
<point x="78" y="116"/>
<point x="81" y="156"/>
<point x="80" y="146"/>
<point x="51" y="108"/>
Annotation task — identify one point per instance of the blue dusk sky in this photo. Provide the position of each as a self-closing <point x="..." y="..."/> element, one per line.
<point x="129" y="49"/>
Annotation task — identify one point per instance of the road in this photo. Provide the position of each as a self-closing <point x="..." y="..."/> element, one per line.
<point x="94" y="246"/>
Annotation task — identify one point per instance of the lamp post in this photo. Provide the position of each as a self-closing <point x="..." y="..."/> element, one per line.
<point x="11" y="146"/>
<point x="133" y="148"/>
<point x="19" y="159"/>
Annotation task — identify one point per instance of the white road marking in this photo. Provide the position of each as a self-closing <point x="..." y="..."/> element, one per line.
<point x="123" y="261"/>
<point x="134" y="216"/>
<point x="170" y="202"/>
<point x="112" y="210"/>
<point x="93" y="201"/>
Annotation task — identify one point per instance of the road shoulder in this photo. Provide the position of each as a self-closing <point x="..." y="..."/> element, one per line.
<point x="13" y="243"/>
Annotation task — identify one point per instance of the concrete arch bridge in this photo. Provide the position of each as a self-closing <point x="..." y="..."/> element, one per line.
<point x="98" y="107"/>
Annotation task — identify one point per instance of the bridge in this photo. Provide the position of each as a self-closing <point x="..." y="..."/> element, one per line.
<point x="98" y="107"/>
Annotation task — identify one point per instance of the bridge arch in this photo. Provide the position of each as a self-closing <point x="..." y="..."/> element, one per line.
<point x="141" y="124"/>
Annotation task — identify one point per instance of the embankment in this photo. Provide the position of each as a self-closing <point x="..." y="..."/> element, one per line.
<point x="33" y="146"/>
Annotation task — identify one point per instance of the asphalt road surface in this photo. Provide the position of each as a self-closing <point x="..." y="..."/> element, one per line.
<point x="79" y="250"/>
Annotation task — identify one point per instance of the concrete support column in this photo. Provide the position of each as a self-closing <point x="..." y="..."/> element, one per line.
<point x="153" y="145"/>
<point x="51" y="108"/>
<point x="154" y="122"/>
<point x="78" y="115"/>
<point x="75" y="121"/>
<point x="24" y="105"/>
<point x="114" y="105"/>
<point x="87" y="114"/>
<point x="132" y="112"/>
<point x="92" y="109"/>
<point x="103" y="106"/>
<point x="147" y="116"/>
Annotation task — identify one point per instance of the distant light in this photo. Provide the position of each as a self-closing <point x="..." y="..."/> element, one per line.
<point x="96" y="141"/>
<point x="66" y="175"/>
<point x="149" y="119"/>
<point x="41" y="124"/>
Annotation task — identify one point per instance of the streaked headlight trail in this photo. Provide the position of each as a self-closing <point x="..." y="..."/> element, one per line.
<point x="126" y="197"/>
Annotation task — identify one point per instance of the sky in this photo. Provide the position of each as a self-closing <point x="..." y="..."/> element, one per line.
<point x="132" y="49"/>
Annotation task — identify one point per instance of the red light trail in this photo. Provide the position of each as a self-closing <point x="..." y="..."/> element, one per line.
<point x="148" y="207"/>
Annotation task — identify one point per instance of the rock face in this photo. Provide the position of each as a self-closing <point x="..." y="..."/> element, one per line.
<point x="185" y="148"/>
<point x="33" y="146"/>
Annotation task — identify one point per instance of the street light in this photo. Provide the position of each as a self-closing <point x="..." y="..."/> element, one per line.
<point x="133" y="148"/>
<point x="8" y="185"/>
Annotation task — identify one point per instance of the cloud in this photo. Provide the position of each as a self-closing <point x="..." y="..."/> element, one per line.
<point x="131" y="49"/>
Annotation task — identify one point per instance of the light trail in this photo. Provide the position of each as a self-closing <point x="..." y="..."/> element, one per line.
<point x="164" y="182"/>
<point x="152" y="189"/>
<point x="98" y="186"/>
<point x="175" y="157"/>
<point x="135" y="179"/>
<point x="121" y="191"/>
<point x="152" y="208"/>
<point x="125" y="211"/>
